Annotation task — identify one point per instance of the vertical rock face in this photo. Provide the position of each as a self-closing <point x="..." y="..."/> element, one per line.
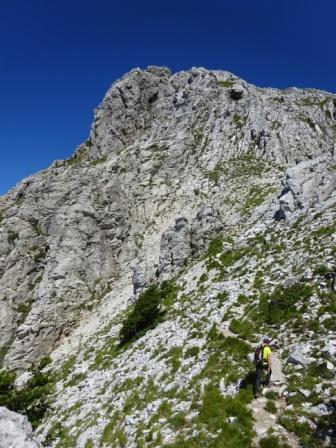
<point x="185" y="240"/>
<point x="172" y="160"/>
<point x="206" y="225"/>
<point x="175" y="248"/>
<point x="306" y="183"/>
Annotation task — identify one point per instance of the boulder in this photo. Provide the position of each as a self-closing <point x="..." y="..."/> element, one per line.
<point x="305" y="392"/>
<point x="16" y="431"/>
<point x="319" y="409"/>
<point x="297" y="357"/>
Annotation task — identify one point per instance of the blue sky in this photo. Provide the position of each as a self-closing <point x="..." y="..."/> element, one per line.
<point x="57" y="59"/>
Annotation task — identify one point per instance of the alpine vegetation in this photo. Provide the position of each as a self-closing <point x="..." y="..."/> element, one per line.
<point x="195" y="225"/>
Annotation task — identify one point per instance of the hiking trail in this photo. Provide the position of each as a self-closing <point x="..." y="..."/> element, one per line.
<point x="263" y="420"/>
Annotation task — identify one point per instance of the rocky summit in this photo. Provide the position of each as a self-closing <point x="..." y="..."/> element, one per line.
<point x="138" y="276"/>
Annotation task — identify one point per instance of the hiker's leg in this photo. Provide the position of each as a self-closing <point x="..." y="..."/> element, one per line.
<point x="268" y="377"/>
<point x="257" y="381"/>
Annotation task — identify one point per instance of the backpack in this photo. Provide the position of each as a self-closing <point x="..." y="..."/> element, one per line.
<point x="258" y="356"/>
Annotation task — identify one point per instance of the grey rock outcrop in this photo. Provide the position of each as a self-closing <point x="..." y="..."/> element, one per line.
<point x="306" y="183"/>
<point x="139" y="279"/>
<point x="175" y="248"/>
<point x="206" y="225"/>
<point x="185" y="240"/>
<point x="298" y="357"/>
<point x="16" y="431"/>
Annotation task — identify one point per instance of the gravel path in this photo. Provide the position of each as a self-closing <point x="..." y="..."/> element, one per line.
<point x="264" y="420"/>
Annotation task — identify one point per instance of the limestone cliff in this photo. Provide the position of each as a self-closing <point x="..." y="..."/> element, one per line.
<point x="173" y="162"/>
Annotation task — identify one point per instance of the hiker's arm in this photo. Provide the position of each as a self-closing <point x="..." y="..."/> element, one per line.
<point x="269" y="361"/>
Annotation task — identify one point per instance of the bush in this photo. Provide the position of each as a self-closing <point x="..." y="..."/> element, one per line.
<point x="230" y="257"/>
<point x="145" y="312"/>
<point x="178" y="420"/>
<point x="271" y="442"/>
<point x="32" y="399"/>
<point x="321" y="270"/>
<point x="191" y="351"/>
<point x="215" y="247"/>
<point x="6" y="387"/>
<point x="272" y="395"/>
<point x="12" y="236"/>
<point x="222" y="297"/>
<point x="244" y="329"/>
<point x="235" y="347"/>
<point x="320" y="370"/>
<point x="302" y="429"/>
<point x="215" y="412"/>
<point x="281" y="305"/>
<point x="203" y="278"/>
<point x="271" y="407"/>
<point x="39" y="255"/>
<point x="98" y="161"/>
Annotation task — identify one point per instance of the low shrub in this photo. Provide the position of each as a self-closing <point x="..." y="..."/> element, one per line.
<point x="216" y="410"/>
<point x="222" y="297"/>
<point x="301" y="428"/>
<point x="146" y="311"/>
<point x="178" y="420"/>
<point x="321" y="270"/>
<point x="319" y="370"/>
<point x="272" y="395"/>
<point x="225" y="83"/>
<point x="39" y="254"/>
<point x="32" y="399"/>
<point x="215" y="247"/>
<point x="98" y="161"/>
<point x="244" y="329"/>
<point x="271" y="407"/>
<point x="12" y="236"/>
<point x="272" y="442"/>
<point x="203" y="278"/>
<point x="6" y="386"/>
<point x="191" y="351"/>
<point x="281" y="305"/>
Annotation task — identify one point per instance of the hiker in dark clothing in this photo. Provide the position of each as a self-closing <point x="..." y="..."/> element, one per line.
<point x="263" y="362"/>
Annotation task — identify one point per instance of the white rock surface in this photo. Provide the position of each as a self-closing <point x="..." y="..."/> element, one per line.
<point x="161" y="174"/>
<point x="174" y="162"/>
<point x="16" y="431"/>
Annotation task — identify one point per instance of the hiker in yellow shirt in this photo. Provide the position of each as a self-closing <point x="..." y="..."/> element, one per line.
<point x="263" y="362"/>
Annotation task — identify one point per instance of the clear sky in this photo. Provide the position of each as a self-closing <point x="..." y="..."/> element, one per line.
<point x="57" y="59"/>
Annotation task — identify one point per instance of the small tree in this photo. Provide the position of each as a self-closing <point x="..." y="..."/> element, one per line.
<point x="143" y="313"/>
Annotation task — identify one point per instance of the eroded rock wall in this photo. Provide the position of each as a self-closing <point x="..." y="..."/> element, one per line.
<point x="172" y="161"/>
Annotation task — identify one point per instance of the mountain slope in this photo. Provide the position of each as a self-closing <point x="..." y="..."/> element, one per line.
<point x="167" y="377"/>
<point x="198" y="177"/>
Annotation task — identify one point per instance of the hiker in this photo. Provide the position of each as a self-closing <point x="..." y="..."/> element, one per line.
<point x="263" y="361"/>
